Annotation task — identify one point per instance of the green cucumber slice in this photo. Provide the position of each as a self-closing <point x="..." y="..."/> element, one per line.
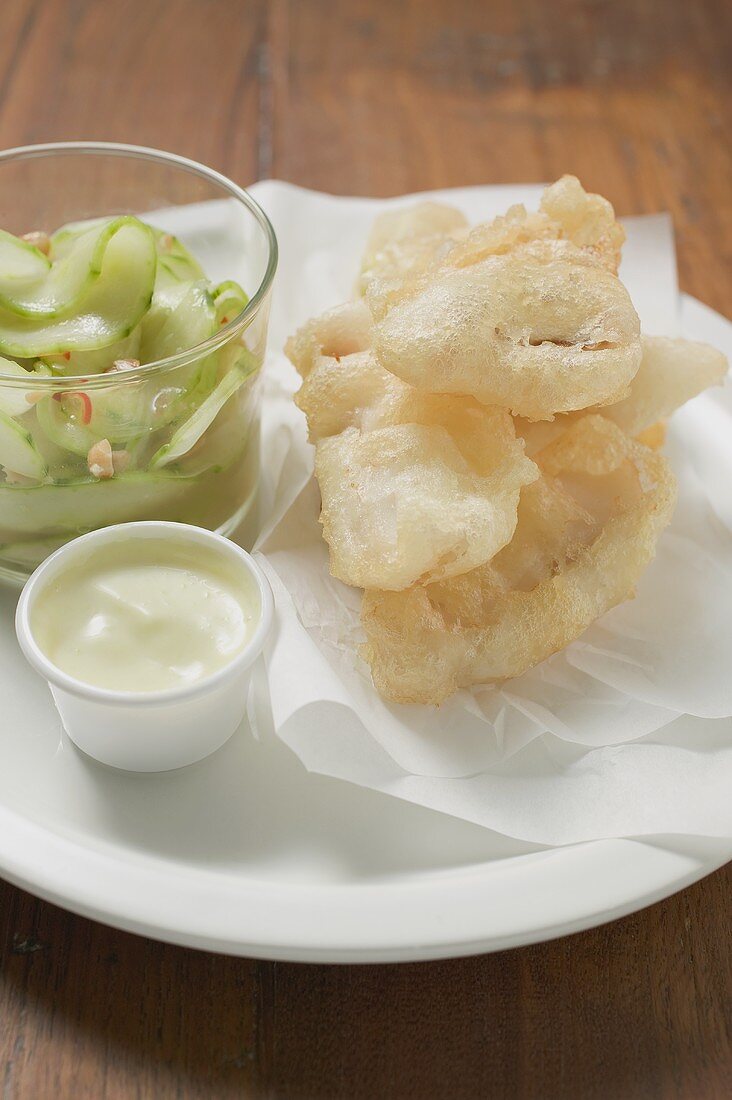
<point x="20" y="262"/>
<point x="190" y="322"/>
<point x="84" y="504"/>
<point x="167" y="295"/>
<point x="98" y="360"/>
<point x="235" y="429"/>
<point x="123" y="413"/>
<point x="174" y="260"/>
<point x="229" y="300"/>
<point x="120" y="415"/>
<point x="69" y="279"/>
<point x="63" y="240"/>
<point x="13" y="399"/>
<point x="115" y="303"/>
<point x="191" y="431"/>
<point x="61" y="463"/>
<point x="62" y="429"/>
<point x="18" y="452"/>
<point x="176" y="270"/>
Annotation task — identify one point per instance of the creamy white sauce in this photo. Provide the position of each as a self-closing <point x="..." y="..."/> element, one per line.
<point x="146" y="615"/>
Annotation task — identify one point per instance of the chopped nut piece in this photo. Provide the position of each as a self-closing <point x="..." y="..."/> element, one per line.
<point x="99" y="460"/>
<point x="125" y="364"/>
<point x="39" y="240"/>
<point x="120" y="461"/>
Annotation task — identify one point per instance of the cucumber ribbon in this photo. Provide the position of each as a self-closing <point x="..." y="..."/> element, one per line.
<point x="96" y="294"/>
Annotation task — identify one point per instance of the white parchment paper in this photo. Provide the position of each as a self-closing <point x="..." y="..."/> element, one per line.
<point x="625" y="733"/>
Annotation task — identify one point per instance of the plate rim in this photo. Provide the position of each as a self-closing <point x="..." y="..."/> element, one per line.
<point x="46" y="883"/>
<point x="74" y="880"/>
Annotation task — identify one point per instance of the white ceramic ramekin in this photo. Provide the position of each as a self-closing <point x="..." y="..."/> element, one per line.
<point x="148" y="731"/>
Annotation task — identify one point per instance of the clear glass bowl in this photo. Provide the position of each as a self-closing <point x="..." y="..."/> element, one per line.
<point x="145" y="412"/>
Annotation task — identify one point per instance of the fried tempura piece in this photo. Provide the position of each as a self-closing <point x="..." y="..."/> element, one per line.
<point x="672" y="372"/>
<point x="340" y="331"/>
<point x="405" y="242"/>
<point x="431" y="495"/>
<point x="413" y="486"/>
<point x="586" y="530"/>
<point x="356" y="392"/>
<point x="352" y="392"/>
<point x="566" y="212"/>
<point x="525" y="312"/>
<point x="541" y="330"/>
<point x="587" y="220"/>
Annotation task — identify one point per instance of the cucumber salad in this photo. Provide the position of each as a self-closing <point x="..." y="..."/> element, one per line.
<point x="88" y="435"/>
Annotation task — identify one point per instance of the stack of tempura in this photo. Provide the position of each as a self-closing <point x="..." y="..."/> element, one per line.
<point x="487" y="419"/>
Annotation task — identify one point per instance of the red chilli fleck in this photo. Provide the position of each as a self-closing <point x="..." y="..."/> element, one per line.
<point x="86" y="405"/>
<point x="67" y="355"/>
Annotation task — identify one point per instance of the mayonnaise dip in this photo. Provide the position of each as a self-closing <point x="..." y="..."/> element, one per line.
<point x="145" y="615"/>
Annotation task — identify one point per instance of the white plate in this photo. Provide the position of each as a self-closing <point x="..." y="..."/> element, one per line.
<point x="248" y="854"/>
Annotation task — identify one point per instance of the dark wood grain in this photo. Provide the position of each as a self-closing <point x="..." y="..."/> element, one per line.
<point x="632" y="96"/>
<point x="637" y="1010"/>
<point x="380" y="98"/>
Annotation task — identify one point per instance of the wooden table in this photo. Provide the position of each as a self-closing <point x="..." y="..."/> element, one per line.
<point x="380" y="98"/>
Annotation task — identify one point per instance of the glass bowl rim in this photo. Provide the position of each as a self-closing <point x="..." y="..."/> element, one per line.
<point x="189" y="355"/>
